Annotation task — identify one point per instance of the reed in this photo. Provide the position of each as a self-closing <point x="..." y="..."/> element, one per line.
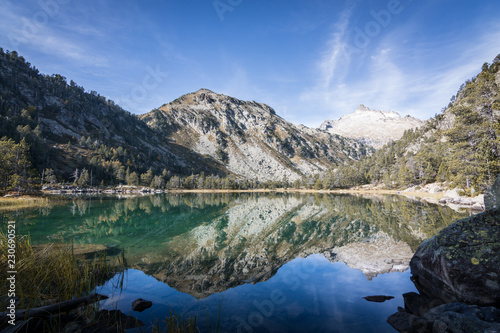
<point x="23" y="202"/>
<point x="49" y="275"/>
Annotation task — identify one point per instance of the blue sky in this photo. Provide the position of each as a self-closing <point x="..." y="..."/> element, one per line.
<point x="309" y="60"/>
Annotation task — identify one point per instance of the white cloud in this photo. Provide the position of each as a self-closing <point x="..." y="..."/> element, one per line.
<point x="34" y="30"/>
<point x="410" y="79"/>
<point x="329" y="64"/>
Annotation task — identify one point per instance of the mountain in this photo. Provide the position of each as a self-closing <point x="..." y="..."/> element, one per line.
<point x="249" y="138"/>
<point x="375" y="128"/>
<point x="460" y="146"/>
<point x="77" y="133"/>
<point x="207" y="244"/>
<point x="70" y="129"/>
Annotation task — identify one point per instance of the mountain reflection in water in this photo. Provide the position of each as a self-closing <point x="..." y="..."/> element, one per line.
<point x="203" y="244"/>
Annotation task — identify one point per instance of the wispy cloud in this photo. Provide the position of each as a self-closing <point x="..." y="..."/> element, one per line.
<point x="335" y="54"/>
<point x="34" y="30"/>
<point x="411" y="79"/>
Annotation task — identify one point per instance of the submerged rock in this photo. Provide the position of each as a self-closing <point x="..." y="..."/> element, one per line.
<point x="462" y="263"/>
<point x="140" y="305"/>
<point x="378" y="298"/>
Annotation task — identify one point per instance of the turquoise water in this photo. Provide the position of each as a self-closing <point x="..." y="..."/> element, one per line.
<point x="262" y="262"/>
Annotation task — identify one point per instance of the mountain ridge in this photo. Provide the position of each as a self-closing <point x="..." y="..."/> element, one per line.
<point x="372" y="127"/>
<point x="249" y="138"/>
<point x="74" y="133"/>
<point x="460" y="146"/>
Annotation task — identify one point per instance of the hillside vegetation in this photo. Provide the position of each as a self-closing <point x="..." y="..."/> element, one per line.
<point x="78" y="136"/>
<point x="460" y="146"/>
<point x="53" y="131"/>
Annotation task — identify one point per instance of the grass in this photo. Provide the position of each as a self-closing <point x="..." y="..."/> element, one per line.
<point x="49" y="275"/>
<point x="22" y="202"/>
<point x="177" y="324"/>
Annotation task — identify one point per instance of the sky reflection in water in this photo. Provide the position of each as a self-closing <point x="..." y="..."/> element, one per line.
<point x="191" y="253"/>
<point x="306" y="294"/>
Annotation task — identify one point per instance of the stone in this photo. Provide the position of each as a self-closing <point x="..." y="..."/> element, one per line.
<point x="416" y="304"/>
<point x="140" y="305"/>
<point x="457" y="322"/>
<point x="451" y="317"/>
<point x="492" y="195"/>
<point x="462" y="262"/>
<point x="452" y="194"/>
<point x="378" y="298"/>
<point x="477" y="206"/>
<point x="402" y="321"/>
<point x="434" y="189"/>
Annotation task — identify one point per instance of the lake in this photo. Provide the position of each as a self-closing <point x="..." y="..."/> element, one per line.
<point x="261" y="262"/>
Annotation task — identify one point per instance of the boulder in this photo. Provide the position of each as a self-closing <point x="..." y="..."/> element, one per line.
<point x="140" y="305"/>
<point x="417" y="304"/>
<point x="452" y="194"/>
<point x="462" y="262"/>
<point x="403" y="321"/>
<point x="378" y="298"/>
<point x="452" y="317"/>
<point x="492" y="195"/>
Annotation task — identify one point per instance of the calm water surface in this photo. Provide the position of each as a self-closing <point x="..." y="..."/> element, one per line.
<point x="262" y="262"/>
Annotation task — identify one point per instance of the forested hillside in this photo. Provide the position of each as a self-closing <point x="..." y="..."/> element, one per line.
<point x="53" y="131"/>
<point x="80" y="136"/>
<point x="460" y="146"/>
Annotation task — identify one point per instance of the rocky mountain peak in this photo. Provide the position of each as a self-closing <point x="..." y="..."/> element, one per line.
<point x="362" y="107"/>
<point x="249" y="138"/>
<point x="373" y="127"/>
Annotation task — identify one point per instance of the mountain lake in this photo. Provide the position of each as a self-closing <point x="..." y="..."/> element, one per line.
<point x="250" y="262"/>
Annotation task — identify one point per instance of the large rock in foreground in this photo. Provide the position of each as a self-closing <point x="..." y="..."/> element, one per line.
<point x="462" y="263"/>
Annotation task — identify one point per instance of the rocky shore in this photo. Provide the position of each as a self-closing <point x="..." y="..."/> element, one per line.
<point x="457" y="274"/>
<point x="121" y="189"/>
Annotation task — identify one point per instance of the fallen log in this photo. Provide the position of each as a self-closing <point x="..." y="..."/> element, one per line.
<point x="44" y="311"/>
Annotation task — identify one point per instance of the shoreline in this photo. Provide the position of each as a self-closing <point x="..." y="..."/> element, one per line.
<point x="47" y="198"/>
<point x="24" y="202"/>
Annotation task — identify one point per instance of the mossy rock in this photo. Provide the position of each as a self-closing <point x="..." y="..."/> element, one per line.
<point x="462" y="262"/>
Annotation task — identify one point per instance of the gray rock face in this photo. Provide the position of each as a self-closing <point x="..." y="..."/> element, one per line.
<point x="249" y="139"/>
<point x="492" y="195"/>
<point x="462" y="263"/>
<point x="373" y="127"/>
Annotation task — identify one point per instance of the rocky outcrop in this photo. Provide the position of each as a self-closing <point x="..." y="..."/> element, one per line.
<point x="461" y="263"/>
<point x="453" y="199"/>
<point x="249" y="138"/>
<point x="452" y="317"/>
<point x="459" y="267"/>
<point x="492" y="195"/>
<point x="373" y="127"/>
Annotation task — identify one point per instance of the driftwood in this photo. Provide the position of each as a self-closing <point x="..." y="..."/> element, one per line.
<point x="44" y="311"/>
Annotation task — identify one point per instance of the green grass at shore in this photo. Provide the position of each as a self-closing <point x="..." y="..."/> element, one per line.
<point x="23" y="202"/>
<point x="50" y="275"/>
